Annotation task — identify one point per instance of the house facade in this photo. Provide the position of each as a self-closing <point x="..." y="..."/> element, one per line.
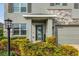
<point x="36" y="21"/>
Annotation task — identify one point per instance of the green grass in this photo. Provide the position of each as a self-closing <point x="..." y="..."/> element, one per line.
<point x="5" y="53"/>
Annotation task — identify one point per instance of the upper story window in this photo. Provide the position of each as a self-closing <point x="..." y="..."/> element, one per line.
<point x="57" y="4"/>
<point x="54" y="4"/>
<point x="23" y="7"/>
<point x="19" y="7"/>
<point x="76" y="5"/>
<point x="64" y="4"/>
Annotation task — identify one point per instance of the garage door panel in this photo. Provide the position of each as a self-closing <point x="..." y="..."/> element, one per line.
<point x="68" y="35"/>
<point x="69" y="41"/>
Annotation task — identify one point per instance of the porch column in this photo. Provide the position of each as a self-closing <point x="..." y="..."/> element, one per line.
<point x="29" y="31"/>
<point x="49" y="27"/>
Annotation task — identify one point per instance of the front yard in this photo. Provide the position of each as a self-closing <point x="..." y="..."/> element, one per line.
<point x="23" y="47"/>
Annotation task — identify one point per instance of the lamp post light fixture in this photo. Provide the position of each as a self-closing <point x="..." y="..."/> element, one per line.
<point x="8" y="26"/>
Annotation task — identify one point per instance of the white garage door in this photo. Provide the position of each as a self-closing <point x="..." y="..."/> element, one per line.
<point x="68" y="35"/>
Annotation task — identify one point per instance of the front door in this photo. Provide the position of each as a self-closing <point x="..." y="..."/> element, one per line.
<point x="39" y="32"/>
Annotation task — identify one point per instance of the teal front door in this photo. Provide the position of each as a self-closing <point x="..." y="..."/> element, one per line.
<point x="39" y="32"/>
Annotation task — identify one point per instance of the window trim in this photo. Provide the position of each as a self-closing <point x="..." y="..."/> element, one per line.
<point x="20" y="8"/>
<point x="77" y="4"/>
<point x="55" y="4"/>
<point x="58" y="4"/>
<point x="52" y="3"/>
<point x="19" y="30"/>
<point x="63" y="4"/>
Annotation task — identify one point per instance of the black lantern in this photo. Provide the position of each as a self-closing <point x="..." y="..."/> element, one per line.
<point x="8" y="26"/>
<point x="8" y="23"/>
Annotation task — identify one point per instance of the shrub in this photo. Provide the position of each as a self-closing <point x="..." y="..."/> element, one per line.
<point x="23" y="47"/>
<point x="1" y="33"/>
<point x="51" y="39"/>
<point x="18" y="37"/>
<point x="69" y="50"/>
<point x="3" y="53"/>
<point x="65" y="50"/>
<point x="3" y="44"/>
<point x="18" y="45"/>
<point x="39" y="49"/>
<point x="4" y="37"/>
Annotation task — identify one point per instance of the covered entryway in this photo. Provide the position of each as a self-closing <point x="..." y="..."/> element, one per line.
<point x="39" y="29"/>
<point x="40" y="25"/>
<point x="68" y="34"/>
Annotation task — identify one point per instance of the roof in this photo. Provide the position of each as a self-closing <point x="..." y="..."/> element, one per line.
<point x="39" y="15"/>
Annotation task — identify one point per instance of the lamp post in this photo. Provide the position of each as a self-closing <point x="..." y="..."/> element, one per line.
<point x="8" y="26"/>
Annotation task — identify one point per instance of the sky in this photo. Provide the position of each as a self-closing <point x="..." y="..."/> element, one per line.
<point x="2" y="12"/>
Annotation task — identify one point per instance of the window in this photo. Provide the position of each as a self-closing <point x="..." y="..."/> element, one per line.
<point x="19" y="29"/>
<point x="23" y="29"/>
<point x="57" y="3"/>
<point x="64" y="4"/>
<point x="19" y="7"/>
<point x="23" y="7"/>
<point x="16" y="29"/>
<point x="76" y="5"/>
<point x="54" y="4"/>
<point x="15" y="7"/>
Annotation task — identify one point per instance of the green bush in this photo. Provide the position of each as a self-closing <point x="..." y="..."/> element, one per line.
<point x="69" y="50"/>
<point x="51" y="39"/>
<point x="18" y="37"/>
<point x="3" y="44"/>
<point x="23" y="47"/>
<point x="3" y="37"/>
<point x="15" y="45"/>
<point x="5" y="53"/>
<point x="1" y="33"/>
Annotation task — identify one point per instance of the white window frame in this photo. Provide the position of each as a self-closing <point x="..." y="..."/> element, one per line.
<point x="75" y="5"/>
<point x="60" y="4"/>
<point x="20" y="29"/>
<point x="20" y="8"/>
<point x="64" y="5"/>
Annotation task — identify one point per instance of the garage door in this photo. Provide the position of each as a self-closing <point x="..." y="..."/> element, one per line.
<point x="68" y="35"/>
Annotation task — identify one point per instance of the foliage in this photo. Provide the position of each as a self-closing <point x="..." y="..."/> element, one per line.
<point x="3" y="44"/>
<point x="18" y="45"/>
<point x="18" y="37"/>
<point x="23" y="47"/>
<point x="69" y="50"/>
<point x="1" y="33"/>
<point x="5" y="53"/>
<point x="51" y="39"/>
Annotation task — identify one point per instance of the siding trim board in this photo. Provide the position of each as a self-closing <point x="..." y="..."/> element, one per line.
<point x="39" y="15"/>
<point x="10" y="7"/>
<point x="29" y="7"/>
